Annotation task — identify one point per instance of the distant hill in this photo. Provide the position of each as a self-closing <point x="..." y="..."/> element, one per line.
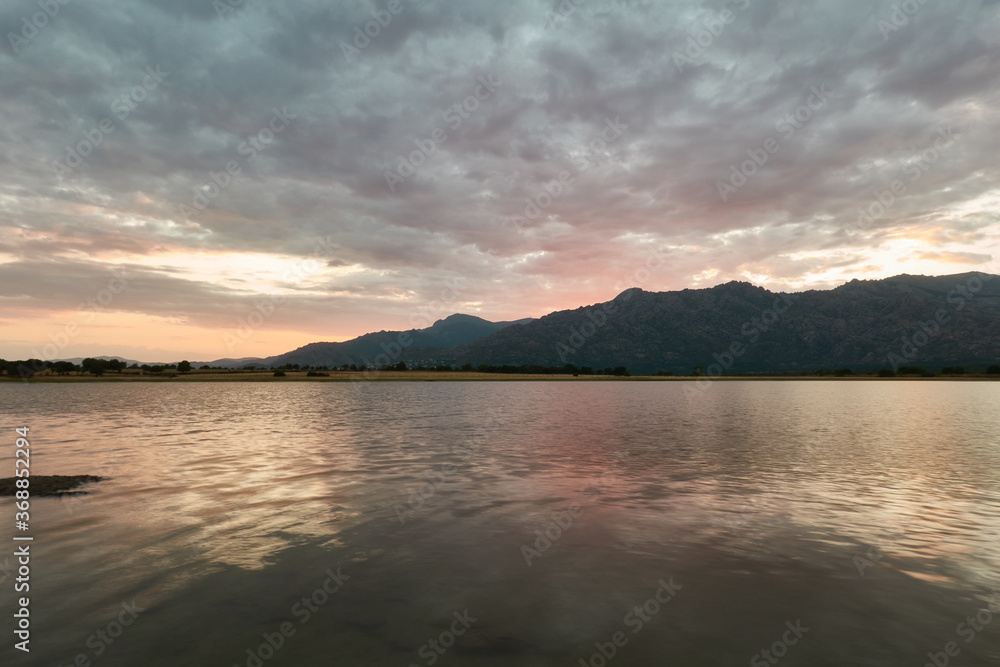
<point x="423" y="343"/>
<point x="863" y="325"/>
<point x="857" y="325"/>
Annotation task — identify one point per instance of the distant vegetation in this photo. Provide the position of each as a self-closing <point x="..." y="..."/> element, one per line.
<point x="27" y="368"/>
<point x="840" y="372"/>
<point x="567" y="369"/>
<point x="113" y="367"/>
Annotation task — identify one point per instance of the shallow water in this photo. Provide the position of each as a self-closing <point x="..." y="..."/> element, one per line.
<point x="867" y="514"/>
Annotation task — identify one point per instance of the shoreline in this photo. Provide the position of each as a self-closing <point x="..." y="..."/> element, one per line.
<point x="462" y="376"/>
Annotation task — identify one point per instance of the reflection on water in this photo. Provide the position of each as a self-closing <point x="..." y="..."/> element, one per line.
<point x="868" y="511"/>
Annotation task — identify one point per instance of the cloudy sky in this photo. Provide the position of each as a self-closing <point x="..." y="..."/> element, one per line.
<point x="189" y="179"/>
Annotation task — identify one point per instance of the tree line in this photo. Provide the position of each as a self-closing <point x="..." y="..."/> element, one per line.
<point x="26" y="368"/>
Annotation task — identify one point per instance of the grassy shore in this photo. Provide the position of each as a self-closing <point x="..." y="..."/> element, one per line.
<point x="447" y="376"/>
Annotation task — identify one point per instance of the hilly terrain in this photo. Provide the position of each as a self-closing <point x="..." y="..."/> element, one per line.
<point x="418" y="343"/>
<point x="736" y="327"/>
<point x="869" y="324"/>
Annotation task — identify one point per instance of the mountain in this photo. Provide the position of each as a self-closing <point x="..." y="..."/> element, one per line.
<point x="414" y="344"/>
<point x="870" y="324"/>
<point x="908" y="320"/>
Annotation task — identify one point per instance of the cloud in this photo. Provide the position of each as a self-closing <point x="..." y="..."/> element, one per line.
<point x="954" y="257"/>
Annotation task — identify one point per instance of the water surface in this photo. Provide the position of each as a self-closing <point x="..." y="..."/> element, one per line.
<point x="866" y="512"/>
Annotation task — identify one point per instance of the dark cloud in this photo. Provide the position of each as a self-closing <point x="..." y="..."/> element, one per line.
<point x="359" y="107"/>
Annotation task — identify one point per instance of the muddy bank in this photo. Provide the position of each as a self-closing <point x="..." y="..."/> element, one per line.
<point x="49" y="485"/>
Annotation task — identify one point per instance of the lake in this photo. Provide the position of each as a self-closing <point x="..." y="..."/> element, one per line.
<point x="511" y="523"/>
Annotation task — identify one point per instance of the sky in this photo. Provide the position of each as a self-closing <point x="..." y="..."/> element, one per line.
<point x="197" y="179"/>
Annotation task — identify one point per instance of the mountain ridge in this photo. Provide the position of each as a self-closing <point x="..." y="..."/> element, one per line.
<point x="740" y="326"/>
<point x="445" y="333"/>
<point x="859" y="324"/>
